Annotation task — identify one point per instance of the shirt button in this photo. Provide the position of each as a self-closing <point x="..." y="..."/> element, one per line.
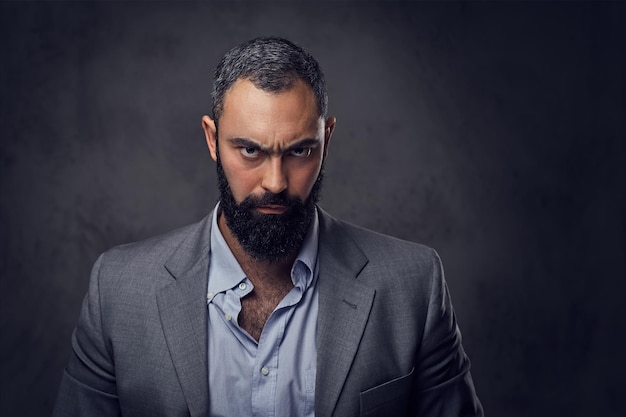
<point x="265" y="371"/>
<point x="209" y="295"/>
<point x="227" y="317"/>
<point x="242" y="286"/>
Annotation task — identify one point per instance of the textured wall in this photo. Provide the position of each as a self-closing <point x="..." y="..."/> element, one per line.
<point x="492" y="132"/>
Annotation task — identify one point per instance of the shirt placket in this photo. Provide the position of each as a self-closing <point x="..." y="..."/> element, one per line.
<point x="266" y="370"/>
<point x="265" y="377"/>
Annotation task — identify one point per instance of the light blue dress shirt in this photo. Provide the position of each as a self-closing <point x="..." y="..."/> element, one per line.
<point x="276" y="376"/>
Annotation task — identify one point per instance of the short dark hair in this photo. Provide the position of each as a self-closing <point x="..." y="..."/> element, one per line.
<point x="271" y="64"/>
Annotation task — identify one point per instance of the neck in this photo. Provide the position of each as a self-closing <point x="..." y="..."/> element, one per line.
<point x="255" y="269"/>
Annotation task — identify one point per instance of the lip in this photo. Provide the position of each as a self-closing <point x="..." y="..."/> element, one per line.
<point x="272" y="209"/>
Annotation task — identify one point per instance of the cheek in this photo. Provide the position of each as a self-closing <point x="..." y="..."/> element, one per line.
<point x="303" y="179"/>
<point x="242" y="181"/>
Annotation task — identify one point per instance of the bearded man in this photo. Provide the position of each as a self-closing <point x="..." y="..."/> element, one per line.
<point x="269" y="306"/>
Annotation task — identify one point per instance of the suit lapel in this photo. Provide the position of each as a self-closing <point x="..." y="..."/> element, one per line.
<point x="182" y="308"/>
<point x="344" y="302"/>
<point x="345" y="305"/>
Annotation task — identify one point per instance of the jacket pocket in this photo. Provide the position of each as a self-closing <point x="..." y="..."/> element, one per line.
<point x="387" y="399"/>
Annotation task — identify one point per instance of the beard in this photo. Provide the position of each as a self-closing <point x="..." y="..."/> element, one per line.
<point x="268" y="237"/>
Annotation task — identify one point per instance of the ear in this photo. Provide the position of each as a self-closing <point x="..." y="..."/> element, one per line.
<point x="328" y="132"/>
<point x="210" y="133"/>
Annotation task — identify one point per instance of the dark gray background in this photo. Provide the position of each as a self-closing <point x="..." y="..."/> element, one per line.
<point x="492" y="132"/>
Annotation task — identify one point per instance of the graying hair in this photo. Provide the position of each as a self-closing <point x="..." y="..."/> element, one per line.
<point x="271" y="64"/>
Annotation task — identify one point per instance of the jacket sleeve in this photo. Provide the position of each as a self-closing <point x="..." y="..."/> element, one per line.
<point x="88" y="386"/>
<point x="443" y="380"/>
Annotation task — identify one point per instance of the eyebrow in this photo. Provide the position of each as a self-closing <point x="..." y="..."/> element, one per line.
<point x="249" y="143"/>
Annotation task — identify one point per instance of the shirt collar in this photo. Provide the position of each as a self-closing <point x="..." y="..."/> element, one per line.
<point x="225" y="272"/>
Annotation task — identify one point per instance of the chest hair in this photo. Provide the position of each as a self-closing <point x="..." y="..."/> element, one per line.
<point x="257" y="306"/>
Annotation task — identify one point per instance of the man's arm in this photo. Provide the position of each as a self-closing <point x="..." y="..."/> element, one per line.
<point x="88" y="384"/>
<point x="443" y="378"/>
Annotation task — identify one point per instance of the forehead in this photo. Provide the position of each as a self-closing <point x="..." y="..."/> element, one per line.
<point x="251" y="111"/>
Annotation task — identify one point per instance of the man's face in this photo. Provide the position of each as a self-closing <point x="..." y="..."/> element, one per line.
<point x="270" y="152"/>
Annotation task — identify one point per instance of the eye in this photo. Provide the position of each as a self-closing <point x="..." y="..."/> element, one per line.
<point x="300" y="152"/>
<point x="249" y="152"/>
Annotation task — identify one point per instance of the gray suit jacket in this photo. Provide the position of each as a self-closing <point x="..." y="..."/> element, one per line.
<point x="388" y="343"/>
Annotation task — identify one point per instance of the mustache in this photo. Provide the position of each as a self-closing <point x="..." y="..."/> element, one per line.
<point x="280" y="199"/>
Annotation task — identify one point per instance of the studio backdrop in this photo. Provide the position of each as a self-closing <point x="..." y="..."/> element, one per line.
<point x="493" y="132"/>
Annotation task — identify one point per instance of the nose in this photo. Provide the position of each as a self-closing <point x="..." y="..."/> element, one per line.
<point x="274" y="178"/>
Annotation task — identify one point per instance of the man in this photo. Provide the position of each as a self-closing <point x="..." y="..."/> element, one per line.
<point x="268" y="306"/>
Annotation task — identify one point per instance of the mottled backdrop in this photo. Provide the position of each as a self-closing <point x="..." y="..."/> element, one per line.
<point x="492" y="132"/>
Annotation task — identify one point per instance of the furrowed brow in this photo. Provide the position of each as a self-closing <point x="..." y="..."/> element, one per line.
<point x="247" y="143"/>
<point x="304" y="143"/>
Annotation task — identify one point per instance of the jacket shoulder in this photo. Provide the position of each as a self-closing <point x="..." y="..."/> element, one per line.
<point x="376" y="245"/>
<point x="148" y="257"/>
<point x="390" y="265"/>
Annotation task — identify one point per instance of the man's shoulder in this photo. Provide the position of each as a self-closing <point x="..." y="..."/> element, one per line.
<point x="395" y="268"/>
<point x="156" y="250"/>
<point x="377" y="245"/>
